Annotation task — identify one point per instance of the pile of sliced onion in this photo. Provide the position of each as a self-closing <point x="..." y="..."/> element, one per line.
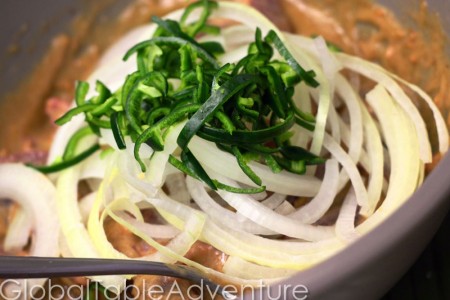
<point x="381" y="134"/>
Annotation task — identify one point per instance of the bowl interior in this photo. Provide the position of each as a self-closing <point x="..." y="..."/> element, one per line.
<point x="364" y="270"/>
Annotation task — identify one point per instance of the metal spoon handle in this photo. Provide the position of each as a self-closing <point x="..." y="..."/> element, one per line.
<point x="42" y="267"/>
<point x="39" y="267"/>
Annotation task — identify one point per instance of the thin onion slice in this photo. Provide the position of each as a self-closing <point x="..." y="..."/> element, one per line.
<point x="219" y="213"/>
<point x="239" y="267"/>
<point x="319" y="205"/>
<point x="266" y="217"/>
<point x="71" y="221"/>
<point x="402" y="140"/>
<point x="37" y="197"/>
<point x="345" y="224"/>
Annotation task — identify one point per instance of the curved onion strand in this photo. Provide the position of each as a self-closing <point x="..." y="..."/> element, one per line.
<point x="37" y="197"/>
<point x="319" y="205"/>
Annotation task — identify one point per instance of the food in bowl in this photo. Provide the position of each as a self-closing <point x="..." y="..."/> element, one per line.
<point x="249" y="154"/>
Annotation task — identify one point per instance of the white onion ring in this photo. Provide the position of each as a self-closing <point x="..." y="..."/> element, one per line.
<point x="37" y="197"/>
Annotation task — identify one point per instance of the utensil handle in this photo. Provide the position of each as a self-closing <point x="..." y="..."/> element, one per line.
<point x="43" y="267"/>
<point x="40" y="267"/>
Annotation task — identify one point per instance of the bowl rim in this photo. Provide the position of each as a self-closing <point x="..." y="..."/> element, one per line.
<point x="369" y="250"/>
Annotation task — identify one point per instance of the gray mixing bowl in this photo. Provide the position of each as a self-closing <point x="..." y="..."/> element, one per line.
<point x="366" y="269"/>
